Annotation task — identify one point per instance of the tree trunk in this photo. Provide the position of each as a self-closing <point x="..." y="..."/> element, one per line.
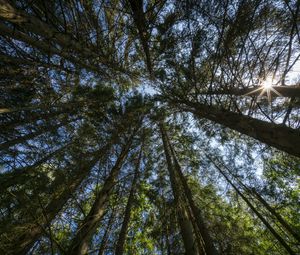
<point x="28" y="115"/>
<point x="208" y="243"/>
<point x="141" y="24"/>
<point x="127" y="214"/>
<point x="253" y="192"/>
<point x="106" y="234"/>
<point x="80" y="242"/>
<point x="278" y="136"/>
<point x="44" y="47"/>
<point x="24" y="242"/>
<point x="185" y="224"/>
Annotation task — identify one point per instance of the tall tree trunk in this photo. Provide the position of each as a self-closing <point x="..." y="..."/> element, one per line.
<point x="106" y="234"/>
<point x="185" y="224"/>
<point x="256" y="212"/>
<point x="127" y="215"/>
<point x="28" y="115"/>
<point x="139" y="18"/>
<point x="80" y="242"/>
<point x="208" y="243"/>
<point x="44" y="47"/>
<point x="33" y="117"/>
<point x="278" y="136"/>
<point x="168" y="244"/>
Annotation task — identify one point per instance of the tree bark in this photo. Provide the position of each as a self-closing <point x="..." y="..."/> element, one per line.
<point x="253" y="192"/>
<point x="185" y="224"/>
<point x="28" y="115"/>
<point x="278" y="136"/>
<point x="277" y="216"/>
<point x="24" y="242"/>
<point x="44" y="47"/>
<point x="141" y="24"/>
<point x="66" y="41"/>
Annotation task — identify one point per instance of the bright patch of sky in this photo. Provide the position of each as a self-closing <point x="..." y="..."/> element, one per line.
<point x="293" y="75"/>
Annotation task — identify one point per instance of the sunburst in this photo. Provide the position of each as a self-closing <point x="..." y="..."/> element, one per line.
<point x="266" y="87"/>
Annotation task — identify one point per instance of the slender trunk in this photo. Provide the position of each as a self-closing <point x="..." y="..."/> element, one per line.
<point x="30" y="110"/>
<point x="141" y="24"/>
<point x="283" y="91"/>
<point x="63" y="193"/>
<point x="10" y="126"/>
<point x="168" y="240"/>
<point x="185" y="224"/>
<point x="257" y="213"/>
<point x="39" y="27"/>
<point x="208" y="242"/>
<point x="278" y="136"/>
<point x="288" y="111"/>
<point x="80" y="242"/>
<point x="127" y="215"/>
<point x="106" y="235"/>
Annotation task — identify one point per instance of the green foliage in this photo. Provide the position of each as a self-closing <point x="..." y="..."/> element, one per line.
<point x="282" y="186"/>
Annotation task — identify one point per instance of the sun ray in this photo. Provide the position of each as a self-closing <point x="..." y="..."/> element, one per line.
<point x="251" y="92"/>
<point x="276" y="92"/>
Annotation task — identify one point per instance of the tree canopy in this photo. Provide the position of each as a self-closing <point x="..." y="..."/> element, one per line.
<point x="150" y="127"/>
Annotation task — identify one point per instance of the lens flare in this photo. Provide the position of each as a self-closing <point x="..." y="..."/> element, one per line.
<point x="266" y="87"/>
<point x="267" y="83"/>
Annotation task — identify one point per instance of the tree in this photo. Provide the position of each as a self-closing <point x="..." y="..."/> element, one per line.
<point x="125" y="223"/>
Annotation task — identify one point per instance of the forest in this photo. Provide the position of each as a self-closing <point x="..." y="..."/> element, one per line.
<point x="150" y="127"/>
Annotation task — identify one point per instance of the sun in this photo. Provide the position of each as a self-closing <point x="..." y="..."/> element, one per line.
<point x="267" y="87"/>
<point x="267" y="84"/>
